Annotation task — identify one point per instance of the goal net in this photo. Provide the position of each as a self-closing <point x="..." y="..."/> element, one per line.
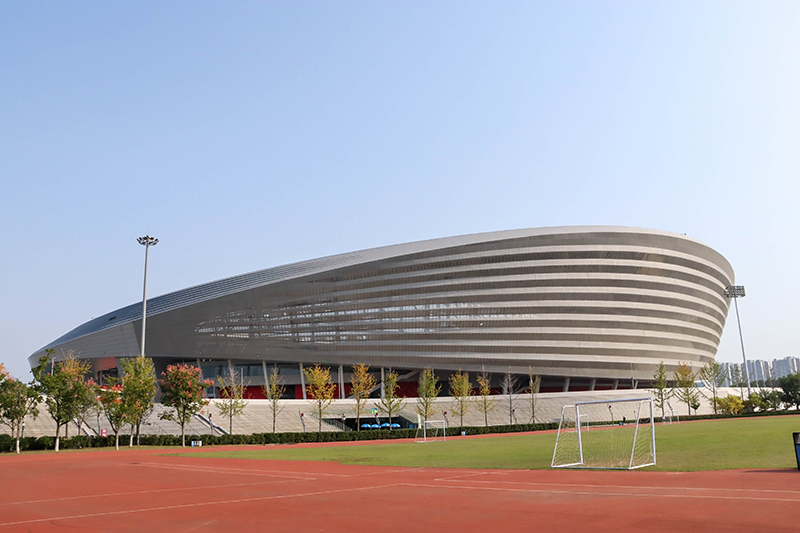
<point x="615" y="434"/>
<point x="430" y="431"/>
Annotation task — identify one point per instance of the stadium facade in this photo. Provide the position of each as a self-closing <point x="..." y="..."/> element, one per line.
<point x="586" y="308"/>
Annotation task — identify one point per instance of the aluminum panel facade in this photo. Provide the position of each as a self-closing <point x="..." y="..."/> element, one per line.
<point x="592" y="302"/>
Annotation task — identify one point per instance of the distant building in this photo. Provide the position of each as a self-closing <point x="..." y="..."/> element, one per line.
<point x="759" y="370"/>
<point x="784" y="367"/>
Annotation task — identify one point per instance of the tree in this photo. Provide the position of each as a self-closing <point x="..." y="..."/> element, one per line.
<point x="390" y="403"/>
<point x="231" y="389"/>
<point x="509" y="384"/>
<point x="534" y="382"/>
<point x="138" y="391"/>
<point x="661" y="389"/>
<point x="273" y="391"/>
<point x="486" y="404"/>
<point x="62" y="387"/>
<point x="770" y="399"/>
<point x="114" y="408"/>
<point x="84" y="400"/>
<point x="361" y="385"/>
<point x="791" y="389"/>
<point x="428" y="389"/>
<point x="17" y="400"/>
<point x="460" y="390"/>
<point x="86" y="403"/>
<point x="753" y="402"/>
<point x="737" y="380"/>
<point x="730" y="404"/>
<point x="713" y="376"/>
<point x="695" y="405"/>
<point x="685" y="390"/>
<point x="183" y="390"/>
<point x="320" y="389"/>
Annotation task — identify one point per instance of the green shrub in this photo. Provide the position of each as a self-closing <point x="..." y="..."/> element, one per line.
<point x="44" y="443"/>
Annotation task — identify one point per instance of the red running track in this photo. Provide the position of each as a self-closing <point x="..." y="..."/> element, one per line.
<point x="141" y="490"/>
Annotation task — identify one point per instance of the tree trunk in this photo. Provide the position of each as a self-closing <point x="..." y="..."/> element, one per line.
<point x="116" y="439"/>
<point x="183" y="435"/>
<point x="18" y="442"/>
<point x="130" y="443"/>
<point x="58" y="434"/>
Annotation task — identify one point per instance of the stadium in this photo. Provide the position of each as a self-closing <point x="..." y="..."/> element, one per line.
<point x="587" y="308"/>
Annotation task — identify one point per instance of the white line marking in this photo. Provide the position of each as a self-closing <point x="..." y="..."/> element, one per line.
<point x="632" y="487"/>
<point x="606" y="493"/>
<point x="222" y="470"/>
<point x="111" y="494"/>
<point x="187" y="505"/>
<point x="306" y="474"/>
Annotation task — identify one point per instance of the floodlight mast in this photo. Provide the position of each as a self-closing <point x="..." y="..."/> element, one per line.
<point x="734" y="292"/>
<point x="147" y="241"/>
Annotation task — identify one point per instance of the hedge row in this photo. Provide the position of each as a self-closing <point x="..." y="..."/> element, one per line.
<point x="728" y="415"/>
<point x="7" y="444"/>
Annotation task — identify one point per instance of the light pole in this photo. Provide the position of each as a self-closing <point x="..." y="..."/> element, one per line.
<point x="146" y="241"/>
<point x="734" y="292"/>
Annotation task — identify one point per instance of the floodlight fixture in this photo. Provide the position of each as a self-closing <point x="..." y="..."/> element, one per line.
<point x="735" y="292"/>
<point x="147" y="241"/>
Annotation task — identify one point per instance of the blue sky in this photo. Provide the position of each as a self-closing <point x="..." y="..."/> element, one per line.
<point x="248" y="135"/>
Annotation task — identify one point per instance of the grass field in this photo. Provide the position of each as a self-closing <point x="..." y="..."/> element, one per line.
<point x="762" y="443"/>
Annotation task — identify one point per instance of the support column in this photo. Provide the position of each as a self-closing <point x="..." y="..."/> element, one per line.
<point x="266" y="377"/>
<point x="616" y="384"/>
<point x="566" y="385"/>
<point x="383" y="390"/>
<point x="303" y="381"/>
<point x="341" y="382"/>
<point x="592" y="383"/>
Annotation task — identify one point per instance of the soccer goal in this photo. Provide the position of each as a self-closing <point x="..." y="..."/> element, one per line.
<point x="670" y="416"/>
<point x="612" y="434"/>
<point x="431" y="431"/>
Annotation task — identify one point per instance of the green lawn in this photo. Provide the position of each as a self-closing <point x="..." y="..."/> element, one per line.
<point x="763" y="442"/>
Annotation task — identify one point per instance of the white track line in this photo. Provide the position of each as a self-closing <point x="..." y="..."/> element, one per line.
<point x="222" y="470"/>
<point x="607" y="493"/>
<point x="187" y="505"/>
<point x="633" y="487"/>
<point x="285" y="472"/>
<point x="129" y="493"/>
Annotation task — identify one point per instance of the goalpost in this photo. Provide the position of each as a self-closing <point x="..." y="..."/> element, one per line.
<point x="612" y="434"/>
<point x="670" y="415"/>
<point x="431" y="431"/>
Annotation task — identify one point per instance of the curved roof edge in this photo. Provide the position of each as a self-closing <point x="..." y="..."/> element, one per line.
<point x="267" y="276"/>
